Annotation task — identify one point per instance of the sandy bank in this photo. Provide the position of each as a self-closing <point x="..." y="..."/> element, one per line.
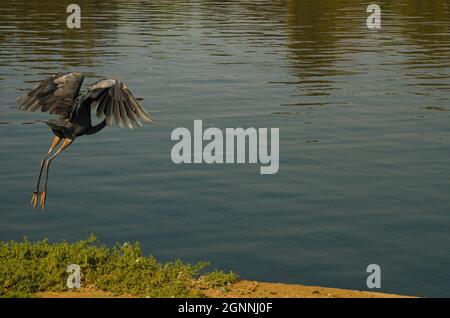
<point x="244" y="289"/>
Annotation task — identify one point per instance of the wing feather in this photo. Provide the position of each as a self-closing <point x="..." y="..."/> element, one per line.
<point x="56" y="94"/>
<point x="101" y="105"/>
<point x="114" y="101"/>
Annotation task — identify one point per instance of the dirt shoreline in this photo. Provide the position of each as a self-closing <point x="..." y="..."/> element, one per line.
<point x="243" y="289"/>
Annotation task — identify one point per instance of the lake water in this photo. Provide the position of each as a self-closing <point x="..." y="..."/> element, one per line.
<point x="364" y="136"/>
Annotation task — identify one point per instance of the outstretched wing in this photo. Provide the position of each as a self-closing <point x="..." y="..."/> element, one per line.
<point x="113" y="100"/>
<point x="55" y="94"/>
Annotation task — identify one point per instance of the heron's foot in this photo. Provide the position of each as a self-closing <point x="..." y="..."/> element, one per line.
<point x="43" y="199"/>
<point x="34" y="200"/>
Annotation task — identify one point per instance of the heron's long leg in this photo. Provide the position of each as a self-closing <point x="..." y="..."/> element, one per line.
<point x="34" y="198"/>
<point x="66" y="143"/>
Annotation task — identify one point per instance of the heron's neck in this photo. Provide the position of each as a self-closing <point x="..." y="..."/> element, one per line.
<point x="95" y="129"/>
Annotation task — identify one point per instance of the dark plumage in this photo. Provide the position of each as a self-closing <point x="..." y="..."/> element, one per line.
<point x="60" y="95"/>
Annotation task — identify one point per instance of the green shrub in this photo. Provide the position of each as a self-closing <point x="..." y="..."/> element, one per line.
<point x="27" y="268"/>
<point x="217" y="279"/>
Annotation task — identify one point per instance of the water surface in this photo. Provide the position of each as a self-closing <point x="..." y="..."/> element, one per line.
<point x="364" y="136"/>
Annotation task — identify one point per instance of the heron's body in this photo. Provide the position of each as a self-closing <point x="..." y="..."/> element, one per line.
<point x="64" y="128"/>
<point x="60" y="95"/>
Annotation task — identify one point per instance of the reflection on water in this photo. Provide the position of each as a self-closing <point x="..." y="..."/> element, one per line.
<point x="364" y="135"/>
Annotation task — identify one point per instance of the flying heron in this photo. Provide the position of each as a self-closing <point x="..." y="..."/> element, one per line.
<point x="60" y="95"/>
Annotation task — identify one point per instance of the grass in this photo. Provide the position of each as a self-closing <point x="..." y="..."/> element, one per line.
<point x="27" y="268"/>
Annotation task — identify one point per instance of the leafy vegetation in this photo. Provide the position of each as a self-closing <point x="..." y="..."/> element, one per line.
<point x="217" y="279"/>
<point x="30" y="267"/>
